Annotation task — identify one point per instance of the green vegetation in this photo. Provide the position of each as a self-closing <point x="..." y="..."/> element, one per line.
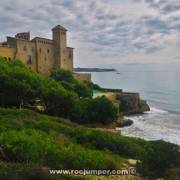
<point x="31" y="143"/>
<point x="97" y="110"/>
<point x="66" y="79"/>
<point x="96" y="87"/>
<point x="38" y="147"/>
<point x="159" y="159"/>
<point x="142" y="103"/>
<point x="30" y="138"/>
<point x="60" y="95"/>
<point x="21" y="87"/>
<point x="27" y="137"/>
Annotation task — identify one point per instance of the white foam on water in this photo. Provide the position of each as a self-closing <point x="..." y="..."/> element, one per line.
<point x="154" y="110"/>
<point x="154" y="125"/>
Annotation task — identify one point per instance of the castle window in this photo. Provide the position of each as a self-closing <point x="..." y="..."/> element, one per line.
<point x="9" y="58"/>
<point x="24" y="48"/>
<point x="48" y="51"/>
<point x="40" y="50"/>
<point x="29" y="61"/>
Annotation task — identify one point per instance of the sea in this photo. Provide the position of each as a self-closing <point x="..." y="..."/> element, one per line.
<point x="159" y="85"/>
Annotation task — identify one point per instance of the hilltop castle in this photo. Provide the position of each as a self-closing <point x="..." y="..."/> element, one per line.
<point x="40" y="54"/>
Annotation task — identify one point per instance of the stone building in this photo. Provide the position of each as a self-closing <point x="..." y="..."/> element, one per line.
<point x="40" y="54"/>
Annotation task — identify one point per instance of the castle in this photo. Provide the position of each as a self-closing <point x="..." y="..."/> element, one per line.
<point x="40" y="54"/>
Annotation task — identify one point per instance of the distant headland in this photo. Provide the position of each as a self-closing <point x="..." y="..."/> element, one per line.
<point x="78" y="69"/>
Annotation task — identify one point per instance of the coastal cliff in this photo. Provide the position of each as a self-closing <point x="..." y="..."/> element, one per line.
<point x="59" y="136"/>
<point x="131" y="103"/>
<point x="127" y="102"/>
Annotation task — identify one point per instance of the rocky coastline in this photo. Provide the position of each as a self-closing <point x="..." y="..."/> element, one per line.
<point x="124" y="123"/>
<point x="128" y="103"/>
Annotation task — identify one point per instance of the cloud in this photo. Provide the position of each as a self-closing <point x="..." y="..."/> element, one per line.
<point x="103" y="31"/>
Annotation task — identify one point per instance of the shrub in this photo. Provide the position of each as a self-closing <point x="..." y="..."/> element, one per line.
<point x="124" y="146"/>
<point x="24" y="171"/>
<point x="159" y="159"/>
<point x="62" y="75"/>
<point x="22" y="86"/>
<point x="98" y="110"/>
<point x="18" y="84"/>
<point x="34" y="146"/>
<point x="101" y="110"/>
<point x="66" y="79"/>
<point x="58" y="101"/>
<point x="28" y="146"/>
<point x="79" y="111"/>
<point x="74" y="146"/>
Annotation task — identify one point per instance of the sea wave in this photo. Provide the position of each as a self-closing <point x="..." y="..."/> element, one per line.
<point x="154" y="110"/>
<point x="154" y="125"/>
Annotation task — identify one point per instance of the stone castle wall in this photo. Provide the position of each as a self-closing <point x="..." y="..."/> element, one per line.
<point x="69" y="59"/>
<point x="82" y="77"/>
<point x="7" y="52"/>
<point x="44" y="55"/>
<point x="40" y="54"/>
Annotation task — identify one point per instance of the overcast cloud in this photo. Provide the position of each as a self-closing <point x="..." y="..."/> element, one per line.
<point x="102" y="31"/>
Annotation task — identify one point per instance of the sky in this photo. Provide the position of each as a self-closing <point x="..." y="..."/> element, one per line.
<point x="102" y="31"/>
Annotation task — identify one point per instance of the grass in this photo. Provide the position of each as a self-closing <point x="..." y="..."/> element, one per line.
<point x="24" y="171"/>
<point x="27" y="137"/>
<point x="31" y="139"/>
<point x="86" y="137"/>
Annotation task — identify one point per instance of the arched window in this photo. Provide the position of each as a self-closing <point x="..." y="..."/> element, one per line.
<point x="29" y="60"/>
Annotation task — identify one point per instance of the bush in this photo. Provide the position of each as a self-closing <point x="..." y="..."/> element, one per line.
<point x="29" y="146"/>
<point x="24" y="171"/>
<point x="34" y="146"/>
<point x="22" y="86"/>
<point x="18" y="84"/>
<point x="79" y="112"/>
<point x="58" y="101"/>
<point x="62" y="75"/>
<point x="74" y="146"/>
<point x="66" y="79"/>
<point x="101" y="110"/>
<point x="159" y="159"/>
<point x="124" y="146"/>
<point x="98" y="110"/>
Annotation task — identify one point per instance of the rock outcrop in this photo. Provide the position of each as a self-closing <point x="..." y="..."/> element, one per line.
<point x="124" y="122"/>
<point x="130" y="103"/>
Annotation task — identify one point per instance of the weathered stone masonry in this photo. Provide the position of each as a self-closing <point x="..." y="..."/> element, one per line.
<point x="40" y="54"/>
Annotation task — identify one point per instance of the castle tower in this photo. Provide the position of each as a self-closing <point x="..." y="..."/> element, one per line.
<point x="60" y="43"/>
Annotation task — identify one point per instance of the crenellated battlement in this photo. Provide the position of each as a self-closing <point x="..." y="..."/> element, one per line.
<point x="40" y="54"/>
